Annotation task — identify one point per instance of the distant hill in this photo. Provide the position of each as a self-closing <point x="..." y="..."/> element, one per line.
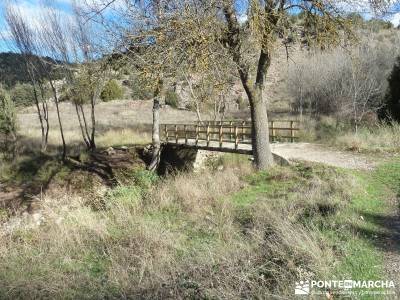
<point x="13" y="69"/>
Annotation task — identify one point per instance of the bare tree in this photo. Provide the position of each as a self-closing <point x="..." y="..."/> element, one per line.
<point x="88" y="81"/>
<point x="25" y="40"/>
<point x="53" y="41"/>
<point x="346" y="83"/>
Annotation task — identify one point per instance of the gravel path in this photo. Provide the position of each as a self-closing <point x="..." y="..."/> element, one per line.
<point x="299" y="151"/>
<point x="321" y="154"/>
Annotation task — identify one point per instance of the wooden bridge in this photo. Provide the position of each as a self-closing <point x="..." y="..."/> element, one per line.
<point x="226" y="136"/>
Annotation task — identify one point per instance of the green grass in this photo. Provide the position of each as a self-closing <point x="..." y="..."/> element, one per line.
<point x="355" y="230"/>
<point x="361" y="239"/>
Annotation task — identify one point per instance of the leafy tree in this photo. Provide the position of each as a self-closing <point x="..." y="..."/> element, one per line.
<point x="391" y="110"/>
<point x="8" y="121"/>
<point x="22" y="94"/>
<point x="111" y="91"/>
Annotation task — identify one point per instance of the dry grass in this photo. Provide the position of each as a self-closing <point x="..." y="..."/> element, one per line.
<point x="130" y="120"/>
<point x="184" y="237"/>
<point x="375" y="137"/>
<point x="382" y="138"/>
<point x="123" y="137"/>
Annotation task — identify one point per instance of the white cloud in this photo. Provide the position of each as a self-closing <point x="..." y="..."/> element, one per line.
<point x="243" y="19"/>
<point x="33" y="12"/>
<point x="395" y="19"/>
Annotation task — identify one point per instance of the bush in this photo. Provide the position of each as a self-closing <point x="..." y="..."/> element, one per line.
<point x="391" y="109"/>
<point x="111" y="91"/>
<point x="22" y="94"/>
<point x="79" y="92"/>
<point x="8" y="122"/>
<point x="172" y="99"/>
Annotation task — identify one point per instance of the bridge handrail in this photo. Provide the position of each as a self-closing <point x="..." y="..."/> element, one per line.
<point x="232" y="133"/>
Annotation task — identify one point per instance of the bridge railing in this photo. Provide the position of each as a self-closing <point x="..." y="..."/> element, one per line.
<point x="237" y="132"/>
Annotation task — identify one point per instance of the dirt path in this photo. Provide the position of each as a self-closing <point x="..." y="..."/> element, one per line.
<point x="321" y="154"/>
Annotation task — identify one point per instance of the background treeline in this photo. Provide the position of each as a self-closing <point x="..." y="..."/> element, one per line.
<point x="352" y="84"/>
<point x="13" y="69"/>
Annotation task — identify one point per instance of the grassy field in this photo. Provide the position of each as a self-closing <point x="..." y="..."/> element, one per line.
<point x="228" y="233"/>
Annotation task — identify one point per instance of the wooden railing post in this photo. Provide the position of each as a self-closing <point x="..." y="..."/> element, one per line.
<point x="243" y="124"/>
<point x="273" y="131"/>
<point x="186" y="135"/>
<point x="220" y="135"/>
<point x="166" y="133"/>
<point x="197" y="135"/>
<point x="231" y="130"/>
<point x="292" y="131"/>
<point x="208" y="134"/>
<point x="176" y="134"/>
<point x="236" y="138"/>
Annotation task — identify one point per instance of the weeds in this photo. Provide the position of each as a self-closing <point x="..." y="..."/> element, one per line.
<point x="369" y="139"/>
<point x="224" y="233"/>
<point x="382" y="138"/>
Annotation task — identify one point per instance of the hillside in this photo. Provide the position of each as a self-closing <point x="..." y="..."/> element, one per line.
<point x="13" y="68"/>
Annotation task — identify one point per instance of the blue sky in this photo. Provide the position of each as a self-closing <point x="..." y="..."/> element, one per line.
<point x="30" y="9"/>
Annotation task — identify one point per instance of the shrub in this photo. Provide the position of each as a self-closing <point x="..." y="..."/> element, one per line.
<point x="22" y="94"/>
<point x="391" y="109"/>
<point x="172" y="99"/>
<point x="79" y="92"/>
<point x="8" y="121"/>
<point x="145" y="179"/>
<point x="111" y="91"/>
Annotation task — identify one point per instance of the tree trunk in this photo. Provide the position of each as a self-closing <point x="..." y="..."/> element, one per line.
<point x="42" y="118"/>
<point x="156" y="135"/>
<point x="93" y="119"/>
<point x="260" y="130"/>
<point x="43" y="145"/>
<point x="45" y="110"/>
<point x="64" y="146"/>
<point x="82" y="126"/>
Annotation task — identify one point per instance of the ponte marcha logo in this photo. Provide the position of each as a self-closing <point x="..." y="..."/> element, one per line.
<point x="302" y="288"/>
<point x="305" y="287"/>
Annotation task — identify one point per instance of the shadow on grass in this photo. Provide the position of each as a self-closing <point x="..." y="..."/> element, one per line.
<point x="33" y="174"/>
<point x="385" y="232"/>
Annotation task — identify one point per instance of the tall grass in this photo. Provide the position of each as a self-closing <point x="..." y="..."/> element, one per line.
<point x="380" y="138"/>
<point x="216" y="234"/>
<point x="376" y="137"/>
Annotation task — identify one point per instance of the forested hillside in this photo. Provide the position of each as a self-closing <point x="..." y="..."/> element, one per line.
<point x="13" y="69"/>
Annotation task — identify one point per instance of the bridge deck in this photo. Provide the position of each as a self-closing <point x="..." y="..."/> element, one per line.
<point x="228" y="147"/>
